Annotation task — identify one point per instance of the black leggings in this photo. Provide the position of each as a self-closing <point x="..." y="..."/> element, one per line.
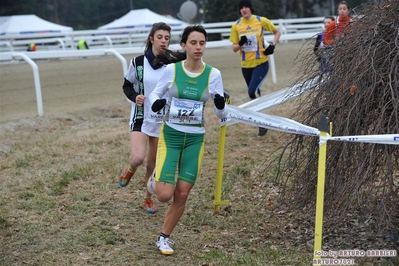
<point x="254" y="78"/>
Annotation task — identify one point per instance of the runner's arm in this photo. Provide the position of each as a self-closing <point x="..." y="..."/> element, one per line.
<point x="128" y="89"/>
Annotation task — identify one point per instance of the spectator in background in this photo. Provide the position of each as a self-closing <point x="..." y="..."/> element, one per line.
<point x="82" y="45"/>
<point x="337" y="27"/>
<point x="319" y="45"/>
<point x="32" y="47"/>
<point x="247" y="37"/>
<point x="320" y="37"/>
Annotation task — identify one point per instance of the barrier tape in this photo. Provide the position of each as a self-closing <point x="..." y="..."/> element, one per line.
<point x="247" y="114"/>
<point x="283" y="124"/>
<point x="377" y="139"/>
<point x="268" y="121"/>
<point x="278" y="97"/>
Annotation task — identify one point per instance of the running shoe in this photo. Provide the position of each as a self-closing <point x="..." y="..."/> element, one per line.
<point x="163" y="245"/>
<point x="149" y="206"/>
<point x="124" y="179"/>
<point x="262" y="131"/>
<point x="151" y="180"/>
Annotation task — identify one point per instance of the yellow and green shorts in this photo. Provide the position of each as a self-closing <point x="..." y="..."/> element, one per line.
<point x="180" y="150"/>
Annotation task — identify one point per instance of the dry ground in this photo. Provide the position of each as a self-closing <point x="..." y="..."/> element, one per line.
<point x="59" y="197"/>
<point x="75" y="85"/>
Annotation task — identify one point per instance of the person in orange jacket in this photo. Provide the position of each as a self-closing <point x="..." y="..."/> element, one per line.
<point x="320" y="37"/>
<point x="337" y="27"/>
<point x="319" y="46"/>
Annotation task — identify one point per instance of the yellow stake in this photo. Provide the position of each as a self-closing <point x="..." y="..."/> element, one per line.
<point x="318" y="234"/>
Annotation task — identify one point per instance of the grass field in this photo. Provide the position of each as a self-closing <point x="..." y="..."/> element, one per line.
<point x="60" y="200"/>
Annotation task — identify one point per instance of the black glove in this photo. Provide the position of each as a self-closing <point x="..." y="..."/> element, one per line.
<point x="158" y="105"/>
<point x="243" y="40"/>
<point x="270" y="49"/>
<point x="219" y="101"/>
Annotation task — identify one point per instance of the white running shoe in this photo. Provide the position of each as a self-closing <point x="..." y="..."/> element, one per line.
<point x="151" y="180"/>
<point x="164" y="245"/>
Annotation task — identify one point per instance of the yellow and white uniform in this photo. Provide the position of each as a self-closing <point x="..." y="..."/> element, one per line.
<point x="251" y="54"/>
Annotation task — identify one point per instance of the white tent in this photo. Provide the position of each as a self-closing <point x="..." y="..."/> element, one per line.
<point x="29" y="24"/>
<point x="141" y="18"/>
<point x="4" y="19"/>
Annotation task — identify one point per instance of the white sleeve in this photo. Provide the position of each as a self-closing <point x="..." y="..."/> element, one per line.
<point x="163" y="84"/>
<point x="131" y="72"/>
<point x="216" y="87"/>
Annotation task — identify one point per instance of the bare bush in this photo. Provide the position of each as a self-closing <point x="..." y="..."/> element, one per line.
<point x="359" y="92"/>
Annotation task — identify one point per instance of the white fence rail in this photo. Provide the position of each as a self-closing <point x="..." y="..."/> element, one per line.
<point x="291" y="29"/>
<point x="56" y="54"/>
<point x="118" y="42"/>
<point x="28" y="56"/>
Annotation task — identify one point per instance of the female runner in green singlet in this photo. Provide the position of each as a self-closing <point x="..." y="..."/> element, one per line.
<point x="189" y="83"/>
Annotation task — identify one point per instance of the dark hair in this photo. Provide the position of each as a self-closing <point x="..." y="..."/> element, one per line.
<point x="330" y="17"/>
<point x="169" y="56"/>
<point x="344" y="3"/>
<point x="246" y="3"/>
<point x="190" y="29"/>
<point x="155" y="27"/>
